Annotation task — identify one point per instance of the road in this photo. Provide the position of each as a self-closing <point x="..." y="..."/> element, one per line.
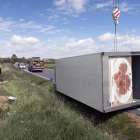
<point x="48" y="73"/>
<point x="135" y="110"/>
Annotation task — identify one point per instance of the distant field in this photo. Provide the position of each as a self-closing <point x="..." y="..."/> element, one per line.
<point x="3" y="66"/>
<point x="49" y="65"/>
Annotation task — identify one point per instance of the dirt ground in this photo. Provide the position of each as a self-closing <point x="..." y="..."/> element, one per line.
<point x="6" y="68"/>
<point x="3" y="102"/>
<point x="135" y="119"/>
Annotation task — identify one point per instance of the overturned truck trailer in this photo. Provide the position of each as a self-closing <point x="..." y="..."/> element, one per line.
<point x="106" y="81"/>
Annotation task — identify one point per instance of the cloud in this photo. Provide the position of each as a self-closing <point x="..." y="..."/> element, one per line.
<point x="5" y="25"/>
<point x="21" y="46"/>
<point x="71" y="6"/>
<point x="1" y="19"/>
<point x="125" y="42"/>
<point x="30" y="24"/>
<point x="21" y="20"/>
<point x="134" y="30"/>
<point x="60" y="31"/>
<point x="84" y="19"/>
<point x="102" y="5"/>
<point x="53" y="16"/>
<point x="70" y="47"/>
<point x="105" y="38"/>
<point x="19" y="43"/>
<point x="6" y="6"/>
<point x="47" y="28"/>
<point x="23" y="5"/>
<point x="125" y="7"/>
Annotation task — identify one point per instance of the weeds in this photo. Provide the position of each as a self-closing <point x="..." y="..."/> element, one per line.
<point x="38" y="114"/>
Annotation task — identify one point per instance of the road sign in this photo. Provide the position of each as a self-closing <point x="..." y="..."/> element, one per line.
<point x="116" y="13"/>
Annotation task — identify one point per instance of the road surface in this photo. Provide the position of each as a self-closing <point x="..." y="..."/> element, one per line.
<point x="46" y="74"/>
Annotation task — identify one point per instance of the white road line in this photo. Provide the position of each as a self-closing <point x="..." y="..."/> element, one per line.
<point x="37" y="75"/>
<point x="34" y="74"/>
<point x="49" y="69"/>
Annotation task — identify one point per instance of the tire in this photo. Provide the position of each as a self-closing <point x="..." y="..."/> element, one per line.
<point x="28" y="68"/>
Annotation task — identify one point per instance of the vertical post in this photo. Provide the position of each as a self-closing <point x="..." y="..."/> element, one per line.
<point x="115" y="38"/>
<point x="0" y="73"/>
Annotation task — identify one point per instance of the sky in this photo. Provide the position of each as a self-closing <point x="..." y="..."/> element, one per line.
<point x="63" y="28"/>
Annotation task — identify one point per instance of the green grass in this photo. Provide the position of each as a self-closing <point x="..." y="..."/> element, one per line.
<point x="49" y="66"/>
<point x="39" y="114"/>
<point x="3" y="66"/>
<point x="121" y="126"/>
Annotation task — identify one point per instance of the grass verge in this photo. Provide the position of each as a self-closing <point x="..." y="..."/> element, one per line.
<point x="3" y="66"/>
<point x="49" y="66"/>
<point x="39" y="114"/>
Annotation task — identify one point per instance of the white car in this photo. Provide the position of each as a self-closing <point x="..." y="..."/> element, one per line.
<point x="22" y="66"/>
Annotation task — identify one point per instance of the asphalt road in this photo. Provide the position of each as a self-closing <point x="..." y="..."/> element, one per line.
<point x="135" y="110"/>
<point x="48" y="73"/>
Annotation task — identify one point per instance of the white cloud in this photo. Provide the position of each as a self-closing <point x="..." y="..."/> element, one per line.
<point x="70" y="47"/>
<point x="64" y="18"/>
<point x="84" y="19"/>
<point x="5" y="25"/>
<point x="53" y="16"/>
<point x="69" y="5"/>
<point x="1" y="19"/>
<point x="6" y="6"/>
<point x="42" y="15"/>
<point x="60" y="31"/>
<point x="134" y="30"/>
<point x="47" y="28"/>
<point x="125" y="7"/>
<point x="102" y="5"/>
<point x="21" y="20"/>
<point x="30" y="24"/>
<point x="106" y="37"/>
<point x="60" y="2"/>
<point x="125" y="42"/>
<point x="64" y="46"/>
<point x="21" y="46"/>
<point x="109" y="37"/>
<point x="19" y="43"/>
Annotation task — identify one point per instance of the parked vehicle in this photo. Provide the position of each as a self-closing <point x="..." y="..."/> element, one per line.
<point x="105" y="81"/>
<point x="17" y="63"/>
<point x="36" y="64"/>
<point x="22" y="66"/>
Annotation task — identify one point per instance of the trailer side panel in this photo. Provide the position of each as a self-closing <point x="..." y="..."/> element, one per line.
<point x="81" y="78"/>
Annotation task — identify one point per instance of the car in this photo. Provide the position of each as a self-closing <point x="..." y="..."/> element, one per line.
<point x="16" y="63"/>
<point x="22" y="66"/>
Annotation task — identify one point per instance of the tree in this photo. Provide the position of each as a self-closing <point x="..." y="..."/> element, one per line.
<point x="1" y="60"/>
<point x="12" y="61"/>
<point x="13" y="58"/>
